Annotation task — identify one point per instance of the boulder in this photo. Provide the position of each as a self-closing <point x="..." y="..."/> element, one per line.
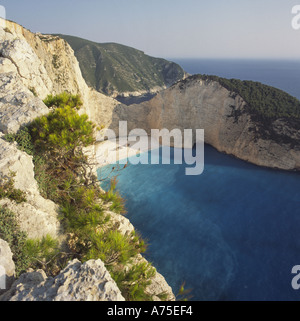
<point x="77" y="282"/>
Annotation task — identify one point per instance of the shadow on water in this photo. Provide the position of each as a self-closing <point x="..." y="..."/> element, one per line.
<point x="134" y="99"/>
<point x="215" y="158"/>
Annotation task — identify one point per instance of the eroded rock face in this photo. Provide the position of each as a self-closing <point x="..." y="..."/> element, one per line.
<point x="38" y="216"/>
<point x="7" y="267"/>
<point x="18" y="106"/>
<point x="47" y="65"/>
<point x="199" y="104"/>
<point x="77" y="282"/>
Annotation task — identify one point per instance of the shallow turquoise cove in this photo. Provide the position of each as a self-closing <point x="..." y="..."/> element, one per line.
<point x="231" y="233"/>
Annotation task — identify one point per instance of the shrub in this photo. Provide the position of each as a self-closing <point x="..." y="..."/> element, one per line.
<point x="183" y="293"/>
<point x="47" y="183"/>
<point x="24" y="140"/>
<point x="112" y="196"/>
<point x="62" y="100"/>
<point x="112" y="247"/>
<point x="43" y="253"/>
<point x="62" y="130"/>
<point x="134" y="281"/>
<point x="76" y="219"/>
<point x="265" y="101"/>
<point x="7" y="189"/>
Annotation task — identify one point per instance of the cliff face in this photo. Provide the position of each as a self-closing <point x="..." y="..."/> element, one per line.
<point x="47" y="65"/>
<point x="31" y="67"/>
<point x="229" y="127"/>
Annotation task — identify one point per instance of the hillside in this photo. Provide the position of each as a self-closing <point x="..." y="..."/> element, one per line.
<point x="115" y="69"/>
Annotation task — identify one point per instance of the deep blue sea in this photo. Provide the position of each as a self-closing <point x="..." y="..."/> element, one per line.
<point x="232" y="233"/>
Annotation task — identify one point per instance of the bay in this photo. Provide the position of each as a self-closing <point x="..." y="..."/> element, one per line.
<point x="232" y="233"/>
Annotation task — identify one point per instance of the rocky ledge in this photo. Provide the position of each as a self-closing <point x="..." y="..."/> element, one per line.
<point x="77" y="282"/>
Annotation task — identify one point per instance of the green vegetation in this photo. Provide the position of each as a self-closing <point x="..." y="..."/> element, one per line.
<point x="112" y="196"/>
<point x="56" y="143"/>
<point x="133" y="281"/>
<point x="264" y="104"/>
<point x="265" y="101"/>
<point x="63" y="99"/>
<point x="8" y="190"/>
<point x="28" y="253"/>
<point x="43" y="254"/>
<point x="269" y="102"/>
<point x="111" y="67"/>
<point x="183" y="293"/>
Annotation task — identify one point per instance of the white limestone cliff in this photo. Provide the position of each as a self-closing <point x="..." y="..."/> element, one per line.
<point x="200" y="104"/>
<point x="31" y="67"/>
<point x="45" y="65"/>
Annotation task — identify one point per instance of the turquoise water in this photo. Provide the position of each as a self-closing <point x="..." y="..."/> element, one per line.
<point x="230" y="234"/>
<point x="233" y="232"/>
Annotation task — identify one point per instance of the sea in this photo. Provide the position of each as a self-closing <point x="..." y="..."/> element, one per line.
<point x="232" y="233"/>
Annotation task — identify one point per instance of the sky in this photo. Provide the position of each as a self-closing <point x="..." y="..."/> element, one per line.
<point x="171" y="28"/>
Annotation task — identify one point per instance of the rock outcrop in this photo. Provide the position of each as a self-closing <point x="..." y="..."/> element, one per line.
<point x="46" y="65"/>
<point x="38" y="216"/>
<point x="77" y="282"/>
<point x="18" y="106"/>
<point x="31" y="67"/>
<point x="203" y="104"/>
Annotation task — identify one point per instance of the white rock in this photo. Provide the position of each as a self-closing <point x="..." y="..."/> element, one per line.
<point x="77" y="282"/>
<point x="37" y="223"/>
<point x="200" y="104"/>
<point x="20" y="163"/>
<point x="37" y="217"/>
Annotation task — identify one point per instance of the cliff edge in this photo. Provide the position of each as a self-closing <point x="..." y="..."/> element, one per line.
<point x="33" y="66"/>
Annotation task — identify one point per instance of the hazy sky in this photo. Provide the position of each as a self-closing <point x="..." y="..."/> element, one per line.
<point x="170" y="28"/>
